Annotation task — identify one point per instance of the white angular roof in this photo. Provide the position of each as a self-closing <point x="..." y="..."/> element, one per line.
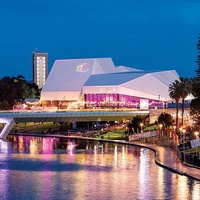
<point x="144" y="84"/>
<point x="68" y="79"/>
<point x="71" y="75"/>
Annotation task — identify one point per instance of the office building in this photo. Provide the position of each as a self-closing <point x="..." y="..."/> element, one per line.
<point x="40" y="68"/>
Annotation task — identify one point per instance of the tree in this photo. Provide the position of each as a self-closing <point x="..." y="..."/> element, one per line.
<point x="14" y="89"/>
<point x="180" y="89"/>
<point x="174" y="93"/>
<point x="166" y="119"/>
<point x="198" y="58"/>
<point x="130" y="128"/>
<point x="31" y="90"/>
<point x="4" y="105"/>
<point x="195" y="103"/>
<point x="136" y="122"/>
<point x="185" y="90"/>
<point x="8" y="90"/>
<point x="195" y="86"/>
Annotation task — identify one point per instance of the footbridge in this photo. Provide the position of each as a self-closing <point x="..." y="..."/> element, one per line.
<point x="11" y="118"/>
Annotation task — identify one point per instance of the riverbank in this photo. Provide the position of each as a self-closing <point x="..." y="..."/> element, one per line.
<point x="164" y="156"/>
<point x="113" y="133"/>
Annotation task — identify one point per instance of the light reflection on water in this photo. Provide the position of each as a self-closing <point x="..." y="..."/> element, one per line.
<point x="53" y="168"/>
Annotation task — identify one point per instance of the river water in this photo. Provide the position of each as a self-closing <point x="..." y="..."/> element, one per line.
<point x="37" y="168"/>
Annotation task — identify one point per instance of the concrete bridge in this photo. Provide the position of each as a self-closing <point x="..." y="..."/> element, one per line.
<point x="11" y="118"/>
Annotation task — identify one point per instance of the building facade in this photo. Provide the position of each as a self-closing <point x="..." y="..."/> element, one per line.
<point x="98" y="83"/>
<point x="40" y="68"/>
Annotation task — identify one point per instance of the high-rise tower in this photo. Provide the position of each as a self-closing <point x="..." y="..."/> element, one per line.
<point x="40" y="68"/>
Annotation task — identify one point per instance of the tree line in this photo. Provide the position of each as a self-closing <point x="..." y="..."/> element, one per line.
<point x="16" y="89"/>
<point x="180" y="89"/>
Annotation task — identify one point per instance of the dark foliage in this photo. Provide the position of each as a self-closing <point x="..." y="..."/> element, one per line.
<point x="198" y="58"/>
<point x="16" y="89"/>
<point x="136" y="123"/>
<point x="165" y="119"/>
<point x="195" y="103"/>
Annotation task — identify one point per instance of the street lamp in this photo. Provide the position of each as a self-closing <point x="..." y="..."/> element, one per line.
<point x="180" y="131"/>
<point x="183" y="131"/>
<point x="141" y="125"/>
<point x="174" y="129"/>
<point x="174" y="134"/>
<point x="196" y="134"/>
<point x="160" y="125"/>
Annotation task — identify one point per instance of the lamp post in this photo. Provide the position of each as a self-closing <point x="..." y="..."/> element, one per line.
<point x="180" y="131"/>
<point x="160" y="125"/>
<point x="174" y="129"/>
<point x="183" y="131"/>
<point x="174" y="134"/>
<point x="141" y="125"/>
<point x="196" y="134"/>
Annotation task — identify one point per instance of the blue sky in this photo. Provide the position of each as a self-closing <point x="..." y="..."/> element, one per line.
<point x="149" y="35"/>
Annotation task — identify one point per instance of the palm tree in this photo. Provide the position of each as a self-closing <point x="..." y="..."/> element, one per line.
<point x="174" y="93"/>
<point x="185" y="90"/>
<point x="195" y="86"/>
<point x="180" y="89"/>
<point x="195" y="103"/>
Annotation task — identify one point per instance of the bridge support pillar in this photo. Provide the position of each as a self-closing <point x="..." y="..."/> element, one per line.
<point x="9" y="123"/>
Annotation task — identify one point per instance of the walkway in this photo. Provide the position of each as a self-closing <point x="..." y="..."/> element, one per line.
<point x="166" y="157"/>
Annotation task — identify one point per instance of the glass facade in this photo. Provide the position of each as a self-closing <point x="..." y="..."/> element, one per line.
<point x="120" y="101"/>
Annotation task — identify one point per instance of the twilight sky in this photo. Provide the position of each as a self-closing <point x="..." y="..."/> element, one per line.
<point x="144" y="34"/>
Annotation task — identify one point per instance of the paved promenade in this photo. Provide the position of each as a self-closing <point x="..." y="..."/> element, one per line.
<point x="168" y="159"/>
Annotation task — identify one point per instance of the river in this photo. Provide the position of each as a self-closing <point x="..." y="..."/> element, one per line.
<point x="44" y="168"/>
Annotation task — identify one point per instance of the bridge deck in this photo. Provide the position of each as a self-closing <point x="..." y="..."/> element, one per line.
<point x="72" y="116"/>
<point x="9" y="118"/>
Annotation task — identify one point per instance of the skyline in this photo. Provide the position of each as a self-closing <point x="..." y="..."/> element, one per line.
<point x="140" y="34"/>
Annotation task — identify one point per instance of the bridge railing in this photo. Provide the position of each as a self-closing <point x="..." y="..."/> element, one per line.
<point x="74" y="110"/>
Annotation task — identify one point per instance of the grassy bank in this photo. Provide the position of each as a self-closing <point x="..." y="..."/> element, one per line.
<point x="31" y="127"/>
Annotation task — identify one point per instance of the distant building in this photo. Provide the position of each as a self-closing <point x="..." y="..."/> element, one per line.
<point x="40" y="68"/>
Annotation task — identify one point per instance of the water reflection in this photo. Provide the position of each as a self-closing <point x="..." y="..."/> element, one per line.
<point x="53" y="168"/>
